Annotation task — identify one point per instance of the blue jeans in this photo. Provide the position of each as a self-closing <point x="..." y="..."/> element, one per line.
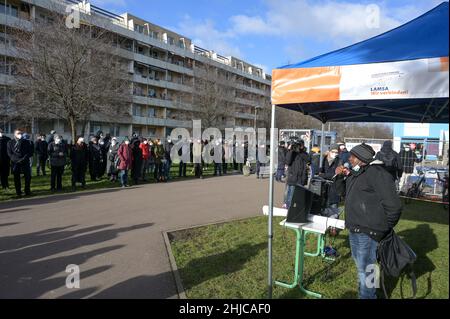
<point x="280" y="174"/>
<point x="364" y="252"/>
<point x="167" y="166"/>
<point x="288" y="193"/>
<point x="123" y="177"/>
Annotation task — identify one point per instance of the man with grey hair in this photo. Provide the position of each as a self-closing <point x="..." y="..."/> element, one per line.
<point x="19" y="151"/>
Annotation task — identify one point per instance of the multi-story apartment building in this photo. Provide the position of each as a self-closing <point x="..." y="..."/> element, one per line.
<point x="160" y="62"/>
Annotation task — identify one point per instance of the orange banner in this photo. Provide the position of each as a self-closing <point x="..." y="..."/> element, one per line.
<point x="306" y="85"/>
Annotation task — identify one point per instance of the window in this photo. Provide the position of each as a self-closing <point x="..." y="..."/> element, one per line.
<point x="139" y="28"/>
<point x="170" y="40"/>
<point x="136" y="110"/>
<point x="95" y="127"/>
<point x="9" y="9"/>
<point x="151" y="112"/>
<point x="151" y="132"/>
<point x="114" y="130"/>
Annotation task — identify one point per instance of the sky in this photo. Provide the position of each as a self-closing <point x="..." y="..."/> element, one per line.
<point x="273" y="33"/>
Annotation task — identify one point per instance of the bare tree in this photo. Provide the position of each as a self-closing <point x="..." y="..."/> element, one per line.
<point x="213" y="99"/>
<point x="71" y="74"/>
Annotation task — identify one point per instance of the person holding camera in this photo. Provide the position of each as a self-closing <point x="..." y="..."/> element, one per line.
<point x="372" y="210"/>
<point x="297" y="160"/>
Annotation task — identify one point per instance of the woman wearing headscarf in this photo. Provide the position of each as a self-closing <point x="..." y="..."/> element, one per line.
<point x="125" y="161"/>
<point x="79" y="157"/>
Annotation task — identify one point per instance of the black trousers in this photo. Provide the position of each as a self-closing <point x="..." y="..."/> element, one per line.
<point x="40" y="165"/>
<point x="224" y="168"/>
<point x="158" y="171"/>
<point x="4" y="174"/>
<point x="182" y="169"/>
<point x="18" y="170"/>
<point x="78" y="176"/>
<point x="217" y="169"/>
<point x="94" y="170"/>
<point x="56" y="177"/>
<point x="198" y="170"/>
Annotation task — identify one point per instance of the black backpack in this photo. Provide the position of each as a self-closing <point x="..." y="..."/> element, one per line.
<point x="396" y="259"/>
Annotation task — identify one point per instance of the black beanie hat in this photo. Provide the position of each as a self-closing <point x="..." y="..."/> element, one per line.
<point x="364" y="152"/>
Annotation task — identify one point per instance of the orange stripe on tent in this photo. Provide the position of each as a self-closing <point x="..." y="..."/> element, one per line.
<point x="444" y="64"/>
<point x="306" y="85"/>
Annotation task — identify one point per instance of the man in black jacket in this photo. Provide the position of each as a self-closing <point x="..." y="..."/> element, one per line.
<point x="329" y="164"/>
<point x="391" y="160"/>
<point x="297" y="160"/>
<point x="41" y="149"/>
<point x="95" y="159"/>
<point x="5" y="165"/>
<point x="57" y="151"/>
<point x="19" y="151"/>
<point x="372" y="209"/>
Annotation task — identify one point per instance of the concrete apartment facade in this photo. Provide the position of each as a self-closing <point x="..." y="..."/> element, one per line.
<point x="160" y="62"/>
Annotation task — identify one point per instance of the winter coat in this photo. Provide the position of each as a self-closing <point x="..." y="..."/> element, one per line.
<point x="328" y="171"/>
<point x="388" y="155"/>
<point x="281" y="157"/>
<point x="408" y="159"/>
<point x="372" y="205"/>
<point x="41" y="149"/>
<point x="159" y="154"/>
<point x="95" y="153"/>
<point x="112" y="156"/>
<point x="145" y="148"/>
<point x="4" y="158"/>
<point x="79" y="157"/>
<point x="297" y="168"/>
<point x="125" y="155"/>
<point x="19" y="151"/>
<point x="57" y="154"/>
<point x="167" y="150"/>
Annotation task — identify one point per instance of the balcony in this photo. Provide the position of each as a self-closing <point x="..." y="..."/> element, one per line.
<point x="138" y="78"/>
<point x="247" y="102"/>
<point x="153" y="121"/>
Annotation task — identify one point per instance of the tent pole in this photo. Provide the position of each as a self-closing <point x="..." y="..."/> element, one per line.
<point x="322" y="138"/>
<point x="273" y="148"/>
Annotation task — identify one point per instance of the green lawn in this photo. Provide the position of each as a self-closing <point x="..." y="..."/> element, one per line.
<point x="40" y="186"/>
<point x="230" y="260"/>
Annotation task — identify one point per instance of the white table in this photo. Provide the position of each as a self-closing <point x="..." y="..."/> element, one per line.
<point x="317" y="225"/>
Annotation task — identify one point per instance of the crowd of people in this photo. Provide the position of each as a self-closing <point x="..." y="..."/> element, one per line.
<point x="130" y="161"/>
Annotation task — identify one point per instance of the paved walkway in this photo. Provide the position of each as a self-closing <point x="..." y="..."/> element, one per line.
<point x="115" y="236"/>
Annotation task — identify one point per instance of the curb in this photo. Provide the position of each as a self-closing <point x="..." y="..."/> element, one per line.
<point x="173" y="265"/>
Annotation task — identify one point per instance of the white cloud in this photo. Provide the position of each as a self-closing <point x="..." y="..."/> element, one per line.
<point x="204" y="34"/>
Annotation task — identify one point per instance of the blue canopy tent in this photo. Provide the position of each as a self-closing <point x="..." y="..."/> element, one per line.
<point x="398" y="76"/>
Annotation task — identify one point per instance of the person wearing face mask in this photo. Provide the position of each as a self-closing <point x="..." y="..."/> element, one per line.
<point x="183" y="152"/>
<point x="79" y="157"/>
<point x="57" y="153"/>
<point x="41" y="149"/>
<point x="124" y="161"/>
<point x="408" y="159"/>
<point x="19" y="151"/>
<point x="5" y="162"/>
<point x="111" y="169"/>
<point x="372" y="209"/>
<point x="145" y="148"/>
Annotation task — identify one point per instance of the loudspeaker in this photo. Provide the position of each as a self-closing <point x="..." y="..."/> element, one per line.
<point x="301" y="203"/>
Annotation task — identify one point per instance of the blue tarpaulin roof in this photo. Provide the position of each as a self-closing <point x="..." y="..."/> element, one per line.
<point x="424" y="37"/>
